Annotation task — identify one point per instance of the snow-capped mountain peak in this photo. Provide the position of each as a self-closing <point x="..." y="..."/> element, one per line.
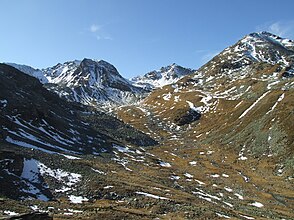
<point x="260" y="47"/>
<point x="254" y="48"/>
<point x="92" y="72"/>
<point x="90" y="81"/>
<point x="274" y="39"/>
<point x="87" y="81"/>
<point x="59" y="69"/>
<point x="164" y="76"/>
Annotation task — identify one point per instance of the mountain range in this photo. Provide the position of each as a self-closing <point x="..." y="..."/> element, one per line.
<point x="93" y="82"/>
<point x="78" y="140"/>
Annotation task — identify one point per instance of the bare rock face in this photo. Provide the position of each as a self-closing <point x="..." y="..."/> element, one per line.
<point x="91" y="82"/>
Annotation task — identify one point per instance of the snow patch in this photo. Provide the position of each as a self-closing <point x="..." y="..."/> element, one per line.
<point x="167" y="97"/>
<point x="175" y="177"/>
<point x="151" y="195"/>
<point x="199" y="182"/>
<point x="214" y="175"/>
<point x="257" y="204"/>
<point x="3" y="103"/>
<point x="164" y="164"/>
<point x="11" y="213"/>
<point x="228" y="189"/>
<point x="239" y="196"/>
<point x="193" y="163"/>
<point x="71" y="157"/>
<point x="98" y="171"/>
<point x="239" y="104"/>
<point x="252" y="106"/>
<point x="27" y="145"/>
<point x="228" y="204"/>
<point x="222" y="215"/>
<point x="122" y="149"/>
<point x="63" y="189"/>
<point x="188" y="175"/>
<point x="201" y="109"/>
<point x="277" y="102"/>
<point x="242" y="158"/>
<point x="33" y="170"/>
<point x="77" y="199"/>
<point x="247" y="217"/>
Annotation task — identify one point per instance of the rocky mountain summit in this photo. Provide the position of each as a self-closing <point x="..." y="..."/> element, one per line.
<point x="91" y="82"/>
<point x="158" y="78"/>
<point x="254" y="48"/>
<point x="216" y="143"/>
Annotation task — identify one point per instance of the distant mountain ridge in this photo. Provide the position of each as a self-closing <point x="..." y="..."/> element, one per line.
<point x="93" y="82"/>
<point x="165" y="76"/>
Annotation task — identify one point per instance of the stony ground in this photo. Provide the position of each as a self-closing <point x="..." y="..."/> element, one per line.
<point x="182" y="178"/>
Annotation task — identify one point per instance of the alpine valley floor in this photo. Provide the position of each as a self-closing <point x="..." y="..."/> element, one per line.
<point x="180" y="179"/>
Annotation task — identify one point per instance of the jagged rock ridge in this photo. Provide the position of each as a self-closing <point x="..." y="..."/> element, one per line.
<point x="158" y="78"/>
<point x="91" y="82"/>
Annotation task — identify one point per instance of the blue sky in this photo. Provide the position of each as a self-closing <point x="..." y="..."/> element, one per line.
<point x="136" y="36"/>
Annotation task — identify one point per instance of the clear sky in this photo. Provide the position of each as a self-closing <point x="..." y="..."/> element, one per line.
<point x="136" y="36"/>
